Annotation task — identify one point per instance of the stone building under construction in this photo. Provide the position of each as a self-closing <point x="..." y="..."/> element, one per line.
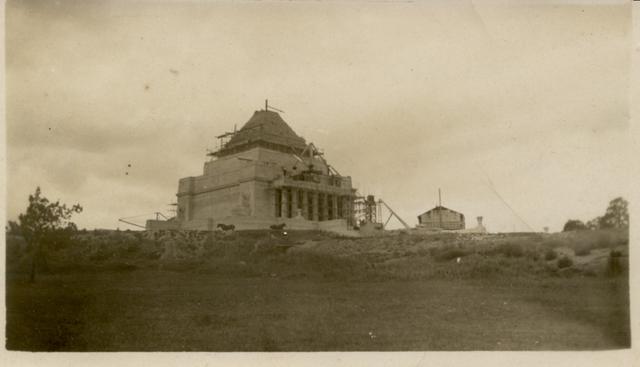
<point x="265" y="174"/>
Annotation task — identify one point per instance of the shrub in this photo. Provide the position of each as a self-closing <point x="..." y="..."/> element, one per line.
<point x="100" y="255"/>
<point x="550" y="255"/>
<point x="422" y="252"/>
<point x="590" y="273"/>
<point x="574" y="225"/>
<point x="615" y="253"/>
<point x="613" y="264"/>
<point x="449" y="253"/>
<point x="564" y="262"/>
<point x="533" y="254"/>
<point x="511" y="250"/>
<point x="582" y="251"/>
<point x="552" y="243"/>
<point x="604" y="240"/>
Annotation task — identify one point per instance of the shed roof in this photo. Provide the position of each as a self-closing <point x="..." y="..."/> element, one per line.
<point x="439" y="207"/>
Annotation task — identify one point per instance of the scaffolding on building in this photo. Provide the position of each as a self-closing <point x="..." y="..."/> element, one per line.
<point x="369" y="210"/>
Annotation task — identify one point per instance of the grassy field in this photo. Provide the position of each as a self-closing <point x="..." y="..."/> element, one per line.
<point x="320" y="298"/>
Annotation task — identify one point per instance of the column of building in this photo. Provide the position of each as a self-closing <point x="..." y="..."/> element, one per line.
<point x="325" y="206"/>
<point x="305" y="204"/>
<point x="284" y="203"/>
<point x="314" y="206"/>
<point x="294" y="202"/>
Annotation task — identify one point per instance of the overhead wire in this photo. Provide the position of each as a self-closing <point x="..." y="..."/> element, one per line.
<point x="495" y="191"/>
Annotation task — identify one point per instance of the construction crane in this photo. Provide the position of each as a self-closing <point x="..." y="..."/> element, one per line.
<point x="393" y="214"/>
<point x="126" y="220"/>
<point x="131" y="223"/>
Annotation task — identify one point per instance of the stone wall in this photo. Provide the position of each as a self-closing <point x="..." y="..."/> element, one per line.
<point x="264" y="199"/>
<point x="255" y="222"/>
<point x="242" y="185"/>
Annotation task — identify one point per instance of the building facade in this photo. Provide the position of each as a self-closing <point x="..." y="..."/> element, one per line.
<point x="265" y="174"/>
<point x="441" y="218"/>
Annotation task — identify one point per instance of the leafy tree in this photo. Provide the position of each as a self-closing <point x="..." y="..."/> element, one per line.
<point x="594" y="223"/>
<point x="43" y="223"/>
<point x="617" y="214"/>
<point x="574" y="225"/>
<point x="12" y="228"/>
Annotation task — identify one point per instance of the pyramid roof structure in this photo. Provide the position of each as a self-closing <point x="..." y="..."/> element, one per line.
<point x="264" y="128"/>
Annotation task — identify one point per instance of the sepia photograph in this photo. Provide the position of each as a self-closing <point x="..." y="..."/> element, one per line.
<point x="293" y="176"/>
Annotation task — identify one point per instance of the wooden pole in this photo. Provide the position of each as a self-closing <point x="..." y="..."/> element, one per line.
<point x="440" y="208"/>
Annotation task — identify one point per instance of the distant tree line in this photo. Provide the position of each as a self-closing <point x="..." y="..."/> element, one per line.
<point x="616" y="216"/>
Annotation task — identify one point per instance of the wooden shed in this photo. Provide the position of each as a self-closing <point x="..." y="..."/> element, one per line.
<point x="441" y="218"/>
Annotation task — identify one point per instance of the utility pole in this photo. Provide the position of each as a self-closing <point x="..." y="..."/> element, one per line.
<point x="440" y="208"/>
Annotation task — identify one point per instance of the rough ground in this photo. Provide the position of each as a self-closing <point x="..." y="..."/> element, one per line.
<point x="262" y="291"/>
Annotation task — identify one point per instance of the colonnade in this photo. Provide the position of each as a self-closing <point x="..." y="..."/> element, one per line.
<point x="311" y="204"/>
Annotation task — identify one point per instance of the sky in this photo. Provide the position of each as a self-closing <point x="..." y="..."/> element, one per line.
<point x="519" y="112"/>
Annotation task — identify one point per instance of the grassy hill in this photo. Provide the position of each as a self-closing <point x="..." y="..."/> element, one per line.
<point x="317" y="254"/>
<point x="261" y="290"/>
